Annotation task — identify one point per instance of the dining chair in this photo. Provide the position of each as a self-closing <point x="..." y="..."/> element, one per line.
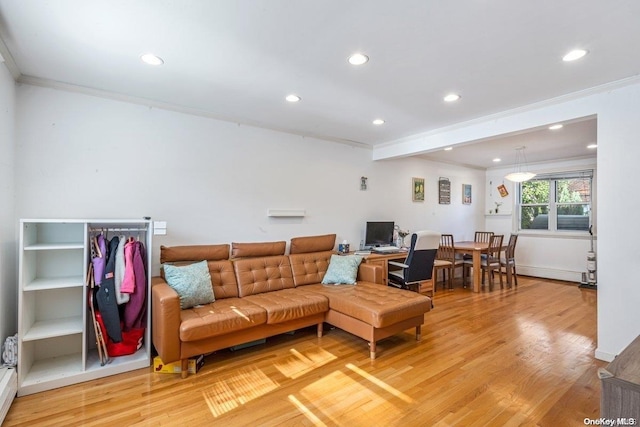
<point x="508" y="262"/>
<point x="480" y="236"/>
<point x="446" y="261"/>
<point x="489" y="263"/>
<point x="483" y="236"/>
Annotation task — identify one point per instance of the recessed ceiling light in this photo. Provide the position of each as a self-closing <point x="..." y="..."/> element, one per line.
<point x="556" y="126"/>
<point x="378" y="122"/>
<point x="358" y="59"/>
<point x="592" y="146"/>
<point x="452" y="97"/>
<point x="448" y="149"/>
<point x="574" y="54"/>
<point x="497" y="159"/>
<point x="293" y="98"/>
<point x="151" y="59"/>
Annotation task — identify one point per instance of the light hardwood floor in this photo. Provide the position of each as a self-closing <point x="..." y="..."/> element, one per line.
<point x="504" y="357"/>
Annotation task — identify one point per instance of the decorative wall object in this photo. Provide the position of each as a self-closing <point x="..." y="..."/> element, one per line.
<point x="466" y="194"/>
<point x="503" y="190"/>
<point x="363" y="183"/>
<point x="444" y="191"/>
<point x="418" y="189"/>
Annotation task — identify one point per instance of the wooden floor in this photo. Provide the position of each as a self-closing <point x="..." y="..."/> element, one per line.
<point x="504" y="357"/>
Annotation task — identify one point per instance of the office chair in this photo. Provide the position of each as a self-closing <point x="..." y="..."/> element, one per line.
<point x="417" y="270"/>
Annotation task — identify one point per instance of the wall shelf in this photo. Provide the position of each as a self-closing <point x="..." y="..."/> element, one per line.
<point x="286" y="212"/>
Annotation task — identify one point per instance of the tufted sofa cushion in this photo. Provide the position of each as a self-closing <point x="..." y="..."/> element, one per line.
<point x="266" y="274"/>
<point x="309" y="268"/>
<point x="219" y="318"/>
<point x="375" y="305"/>
<point x="223" y="279"/>
<point x="289" y="304"/>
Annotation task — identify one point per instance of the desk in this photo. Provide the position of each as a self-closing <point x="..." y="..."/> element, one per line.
<point x="382" y="260"/>
<point x="475" y="249"/>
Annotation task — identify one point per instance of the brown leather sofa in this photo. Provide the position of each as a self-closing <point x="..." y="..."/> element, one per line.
<point x="262" y="292"/>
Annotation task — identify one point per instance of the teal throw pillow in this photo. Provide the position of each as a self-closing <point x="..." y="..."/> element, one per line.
<point x="342" y="270"/>
<point x="192" y="283"/>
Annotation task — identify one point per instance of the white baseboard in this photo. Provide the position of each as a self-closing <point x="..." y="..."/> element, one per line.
<point x="8" y="390"/>
<point x="603" y="355"/>
<point x="550" y="273"/>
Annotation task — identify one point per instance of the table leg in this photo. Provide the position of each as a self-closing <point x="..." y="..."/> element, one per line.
<point x="477" y="271"/>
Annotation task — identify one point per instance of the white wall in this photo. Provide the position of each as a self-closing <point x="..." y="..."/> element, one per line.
<point x="617" y="107"/>
<point x="8" y="282"/>
<point x="80" y="156"/>
<point x="560" y="256"/>
<point x="618" y="230"/>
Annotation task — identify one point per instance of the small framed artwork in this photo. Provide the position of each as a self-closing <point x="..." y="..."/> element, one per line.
<point x="444" y="191"/>
<point x="418" y="189"/>
<point x="503" y="190"/>
<point x="466" y="194"/>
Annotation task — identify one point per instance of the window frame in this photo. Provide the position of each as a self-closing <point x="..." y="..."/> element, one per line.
<point x="552" y="203"/>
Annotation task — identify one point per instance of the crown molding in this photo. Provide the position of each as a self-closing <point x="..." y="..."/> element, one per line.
<point x="100" y="93"/>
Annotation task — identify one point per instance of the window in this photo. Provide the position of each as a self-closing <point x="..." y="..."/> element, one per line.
<point x="556" y="202"/>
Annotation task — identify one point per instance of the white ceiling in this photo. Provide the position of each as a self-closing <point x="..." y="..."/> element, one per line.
<point x="237" y="59"/>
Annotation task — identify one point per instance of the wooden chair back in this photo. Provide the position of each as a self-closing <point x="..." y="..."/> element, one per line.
<point x="510" y="252"/>
<point x="446" y="251"/>
<point x="483" y="236"/>
<point x="495" y="246"/>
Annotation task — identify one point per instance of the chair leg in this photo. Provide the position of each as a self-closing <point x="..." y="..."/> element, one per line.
<point x="500" y="273"/>
<point x="507" y="269"/>
<point x="451" y="271"/>
<point x="515" y="276"/>
<point x="464" y="276"/>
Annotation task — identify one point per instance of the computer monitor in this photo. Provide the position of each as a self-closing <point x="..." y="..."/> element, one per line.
<point x="378" y="233"/>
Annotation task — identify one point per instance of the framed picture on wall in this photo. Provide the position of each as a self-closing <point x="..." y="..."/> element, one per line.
<point x="466" y="194"/>
<point x="444" y="191"/>
<point x="418" y="189"/>
<point x="503" y="190"/>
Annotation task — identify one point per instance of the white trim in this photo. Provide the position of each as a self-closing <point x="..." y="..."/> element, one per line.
<point x="8" y="390"/>
<point x="151" y="103"/>
<point x="550" y="273"/>
<point x="603" y="355"/>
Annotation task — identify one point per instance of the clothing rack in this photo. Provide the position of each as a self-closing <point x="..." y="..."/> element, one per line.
<point x="94" y="229"/>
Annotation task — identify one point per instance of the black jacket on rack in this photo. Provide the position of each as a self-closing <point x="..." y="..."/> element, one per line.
<point x="106" y="295"/>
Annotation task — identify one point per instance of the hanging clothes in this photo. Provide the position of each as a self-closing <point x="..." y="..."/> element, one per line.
<point x="128" y="282"/>
<point x="135" y="311"/>
<point x="121" y="298"/>
<point x="106" y="295"/>
<point x="100" y="258"/>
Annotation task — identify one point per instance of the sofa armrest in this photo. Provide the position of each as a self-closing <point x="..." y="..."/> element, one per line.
<point x="370" y="273"/>
<point x="165" y="320"/>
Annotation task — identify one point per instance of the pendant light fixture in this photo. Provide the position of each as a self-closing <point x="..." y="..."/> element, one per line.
<point x="520" y="174"/>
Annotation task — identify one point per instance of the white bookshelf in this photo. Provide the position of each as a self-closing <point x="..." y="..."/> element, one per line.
<point x="56" y="341"/>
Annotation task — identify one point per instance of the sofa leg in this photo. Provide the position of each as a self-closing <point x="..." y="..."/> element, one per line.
<point x="319" y="330"/>
<point x="185" y="368"/>
<point x="418" y="333"/>
<point x="372" y="350"/>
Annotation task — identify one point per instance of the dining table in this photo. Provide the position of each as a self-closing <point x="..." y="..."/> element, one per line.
<point x="475" y="249"/>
